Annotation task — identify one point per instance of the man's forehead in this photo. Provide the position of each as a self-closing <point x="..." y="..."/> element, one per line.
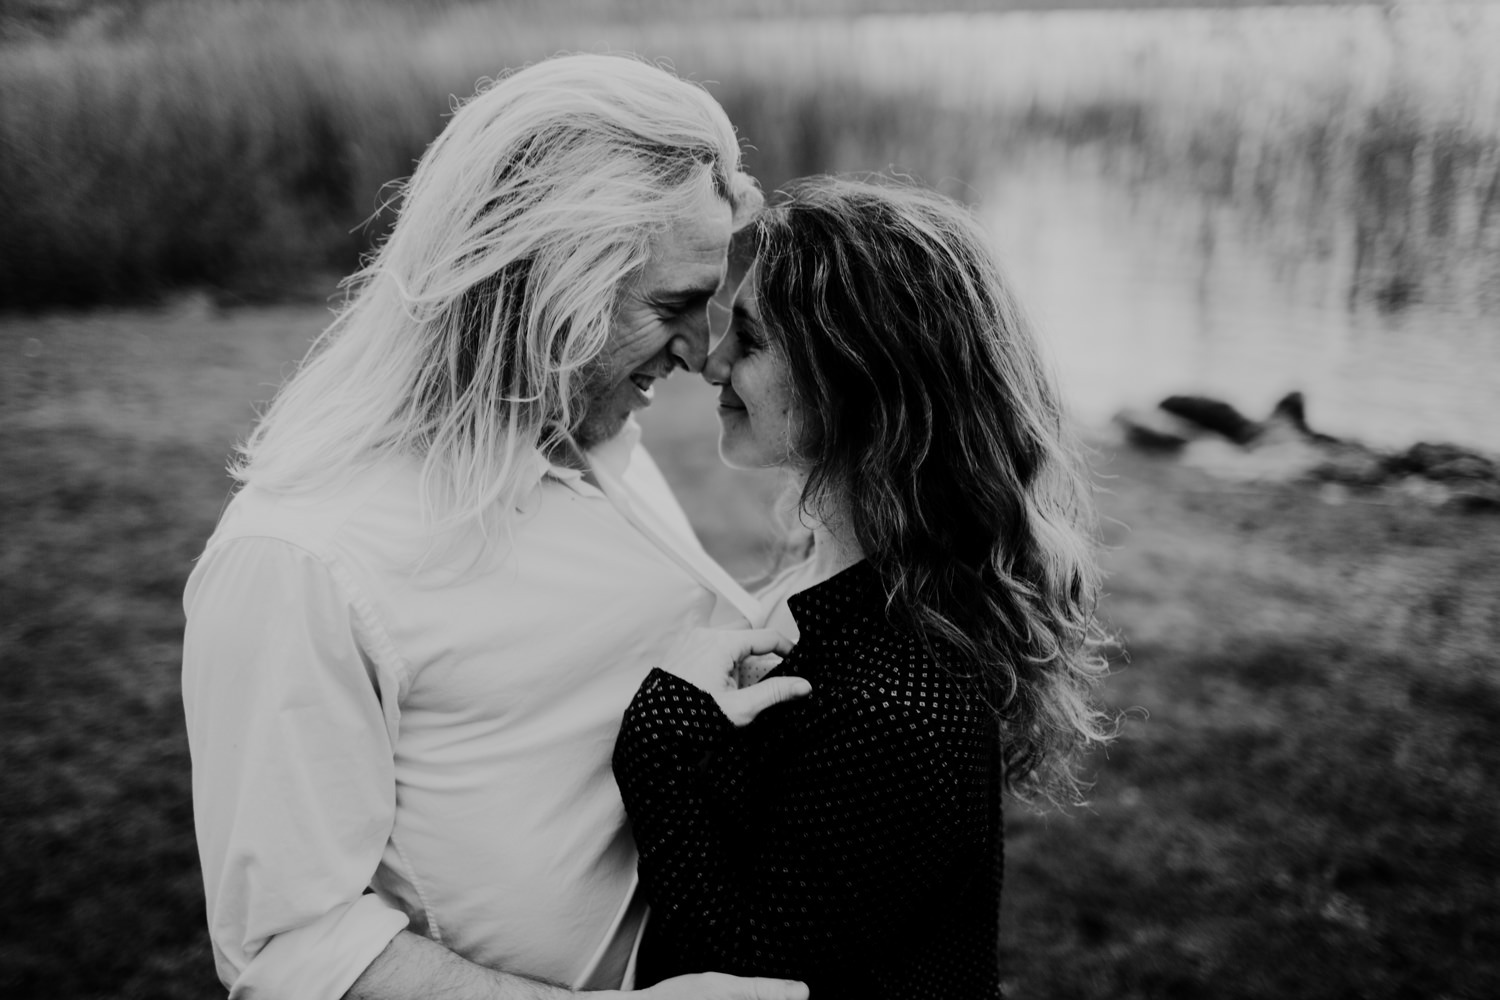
<point x="690" y="257"/>
<point x="691" y="279"/>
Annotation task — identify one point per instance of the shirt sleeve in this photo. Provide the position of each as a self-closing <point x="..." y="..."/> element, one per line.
<point x="291" y="727"/>
<point x="776" y="858"/>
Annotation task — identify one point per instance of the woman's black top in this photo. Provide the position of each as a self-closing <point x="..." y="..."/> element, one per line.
<point x="850" y="839"/>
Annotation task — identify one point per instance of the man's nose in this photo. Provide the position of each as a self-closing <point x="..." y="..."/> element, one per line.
<point x="716" y="367"/>
<point x="690" y="350"/>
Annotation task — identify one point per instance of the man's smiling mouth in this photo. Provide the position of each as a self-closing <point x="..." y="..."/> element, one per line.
<point x="645" y="383"/>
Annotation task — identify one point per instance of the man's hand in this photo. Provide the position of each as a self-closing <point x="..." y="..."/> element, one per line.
<point x="413" y="966"/>
<point x="707" y="658"/>
<point x="714" y="986"/>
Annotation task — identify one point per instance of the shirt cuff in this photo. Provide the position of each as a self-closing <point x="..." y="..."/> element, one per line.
<point x="321" y="960"/>
<point x="669" y="710"/>
<point x="672" y="732"/>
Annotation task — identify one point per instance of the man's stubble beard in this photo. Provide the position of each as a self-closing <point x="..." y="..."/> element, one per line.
<point x="592" y="395"/>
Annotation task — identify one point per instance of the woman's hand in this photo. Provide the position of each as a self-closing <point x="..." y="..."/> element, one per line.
<point x="707" y="658"/>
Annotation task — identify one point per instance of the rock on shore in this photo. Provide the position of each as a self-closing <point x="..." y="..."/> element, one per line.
<point x="1213" y="435"/>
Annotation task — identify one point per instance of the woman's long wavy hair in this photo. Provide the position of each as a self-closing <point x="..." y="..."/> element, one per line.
<point x="465" y="338"/>
<point x="933" y="430"/>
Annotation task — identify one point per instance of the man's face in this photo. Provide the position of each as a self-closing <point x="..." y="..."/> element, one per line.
<point x="662" y="319"/>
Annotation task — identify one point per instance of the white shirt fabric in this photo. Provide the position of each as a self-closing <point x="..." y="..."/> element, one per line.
<point x="775" y="613"/>
<point x="775" y="594"/>
<point x="385" y="734"/>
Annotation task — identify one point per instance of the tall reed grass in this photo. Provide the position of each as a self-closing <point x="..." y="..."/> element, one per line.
<point x="244" y="146"/>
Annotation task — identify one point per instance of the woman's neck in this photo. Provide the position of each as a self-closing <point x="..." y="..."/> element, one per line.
<point x="835" y="548"/>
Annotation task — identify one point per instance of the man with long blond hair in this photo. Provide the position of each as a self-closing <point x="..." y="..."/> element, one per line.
<point x="449" y="565"/>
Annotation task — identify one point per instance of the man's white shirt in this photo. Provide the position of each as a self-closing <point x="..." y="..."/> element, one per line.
<point x="359" y="700"/>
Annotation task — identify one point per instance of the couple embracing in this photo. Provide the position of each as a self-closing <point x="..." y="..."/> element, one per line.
<point x="472" y="714"/>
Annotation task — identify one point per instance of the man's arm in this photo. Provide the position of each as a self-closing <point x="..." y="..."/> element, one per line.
<point x="412" y="966"/>
<point x="293" y="771"/>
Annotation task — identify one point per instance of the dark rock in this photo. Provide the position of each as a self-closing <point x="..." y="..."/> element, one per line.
<point x="1283" y="448"/>
<point x="1213" y="415"/>
<point x="1155" y="430"/>
<point x="1443" y="462"/>
<point x="1350" y="463"/>
<point x="1482" y="499"/>
<point x="1291" y="411"/>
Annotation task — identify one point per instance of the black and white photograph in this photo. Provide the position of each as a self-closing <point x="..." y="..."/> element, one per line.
<point x="749" y="499"/>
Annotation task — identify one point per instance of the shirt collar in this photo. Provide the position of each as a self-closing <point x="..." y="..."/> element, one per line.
<point x="853" y="593"/>
<point x="613" y="455"/>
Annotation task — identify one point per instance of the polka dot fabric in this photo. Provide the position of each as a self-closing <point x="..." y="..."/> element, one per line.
<point x="850" y="839"/>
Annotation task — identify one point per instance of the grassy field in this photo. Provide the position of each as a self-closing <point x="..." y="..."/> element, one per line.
<point x="240" y="146"/>
<point x="1304" y="808"/>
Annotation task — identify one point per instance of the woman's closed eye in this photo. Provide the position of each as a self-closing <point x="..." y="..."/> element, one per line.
<point x="748" y="332"/>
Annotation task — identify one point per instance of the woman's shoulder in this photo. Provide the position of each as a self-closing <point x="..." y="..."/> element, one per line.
<point x="873" y="655"/>
<point x="851" y="611"/>
<point x="900" y="662"/>
<point x="879" y="689"/>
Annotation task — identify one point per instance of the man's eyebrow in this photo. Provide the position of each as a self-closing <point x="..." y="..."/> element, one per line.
<point x="701" y="284"/>
<point x="686" y="293"/>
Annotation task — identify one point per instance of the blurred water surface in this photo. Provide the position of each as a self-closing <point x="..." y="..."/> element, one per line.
<point x="1239" y="203"/>
<point x="1140" y="293"/>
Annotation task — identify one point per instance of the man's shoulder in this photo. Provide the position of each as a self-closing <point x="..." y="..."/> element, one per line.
<point x="380" y="501"/>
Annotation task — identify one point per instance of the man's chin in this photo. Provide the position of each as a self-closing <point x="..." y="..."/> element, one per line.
<point x="594" y="431"/>
<point x="613" y="409"/>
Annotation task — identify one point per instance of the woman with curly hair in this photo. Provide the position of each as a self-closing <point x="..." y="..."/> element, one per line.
<point x="944" y="624"/>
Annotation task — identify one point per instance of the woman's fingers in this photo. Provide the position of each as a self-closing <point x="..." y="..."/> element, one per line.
<point x="742" y="705"/>
<point x="752" y="668"/>
<point x="707" y="657"/>
<point x="758" y="642"/>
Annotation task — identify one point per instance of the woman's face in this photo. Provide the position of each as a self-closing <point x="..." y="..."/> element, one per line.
<point x="759" y="426"/>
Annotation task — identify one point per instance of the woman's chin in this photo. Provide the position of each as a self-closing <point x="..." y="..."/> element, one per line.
<point x="737" y="455"/>
<point x="733" y="452"/>
<point x="730" y="456"/>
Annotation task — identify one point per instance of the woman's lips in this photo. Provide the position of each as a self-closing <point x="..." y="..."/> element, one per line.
<point x="728" y="402"/>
